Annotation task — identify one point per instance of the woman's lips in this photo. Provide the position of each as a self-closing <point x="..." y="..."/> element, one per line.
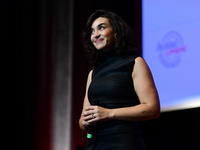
<point x="98" y="40"/>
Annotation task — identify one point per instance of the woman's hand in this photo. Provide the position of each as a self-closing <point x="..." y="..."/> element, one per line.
<point x="93" y="114"/>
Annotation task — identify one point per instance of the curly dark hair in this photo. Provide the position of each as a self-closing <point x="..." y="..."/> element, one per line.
<point x="125" y="42"/>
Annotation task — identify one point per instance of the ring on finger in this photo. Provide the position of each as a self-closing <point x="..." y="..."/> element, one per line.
<point x="93" y="116"/>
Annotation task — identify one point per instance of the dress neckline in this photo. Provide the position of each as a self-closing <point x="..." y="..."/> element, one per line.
<point x="108" y="55"/>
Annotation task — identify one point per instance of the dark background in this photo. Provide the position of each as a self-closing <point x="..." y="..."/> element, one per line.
<point x="25" y="116"/>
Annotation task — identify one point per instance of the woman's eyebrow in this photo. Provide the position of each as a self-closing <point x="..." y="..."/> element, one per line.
<point x="100" y="25"/>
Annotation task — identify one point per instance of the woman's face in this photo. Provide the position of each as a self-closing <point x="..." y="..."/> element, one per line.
<point x="102" y="34"/>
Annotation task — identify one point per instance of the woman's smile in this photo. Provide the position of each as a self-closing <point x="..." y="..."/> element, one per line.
<point x="98" y="40"/>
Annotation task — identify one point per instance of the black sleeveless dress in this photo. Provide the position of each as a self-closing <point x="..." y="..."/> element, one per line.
<point x="112" y="86"/>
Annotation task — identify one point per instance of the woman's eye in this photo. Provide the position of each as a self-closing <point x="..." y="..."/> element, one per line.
<point x="92" y="31"/>
<point x="101" y="28"/>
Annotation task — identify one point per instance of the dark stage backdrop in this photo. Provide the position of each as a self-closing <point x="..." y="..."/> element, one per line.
<point x="44" y="72"/>
<point x="36" y="74"/>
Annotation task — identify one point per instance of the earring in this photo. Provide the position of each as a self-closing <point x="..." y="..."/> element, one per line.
<point x="115" y="35"/>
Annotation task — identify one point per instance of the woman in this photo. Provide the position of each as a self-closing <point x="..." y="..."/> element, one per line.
<point x="120" y="89"/>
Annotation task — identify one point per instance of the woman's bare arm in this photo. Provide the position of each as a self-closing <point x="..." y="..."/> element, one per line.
<point x="149" y="107"/>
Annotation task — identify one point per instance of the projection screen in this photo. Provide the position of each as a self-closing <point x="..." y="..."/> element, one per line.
<point x="171" y="47"/>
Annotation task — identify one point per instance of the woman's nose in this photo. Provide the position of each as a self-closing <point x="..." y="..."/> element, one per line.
<point x="96" y="34"/>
